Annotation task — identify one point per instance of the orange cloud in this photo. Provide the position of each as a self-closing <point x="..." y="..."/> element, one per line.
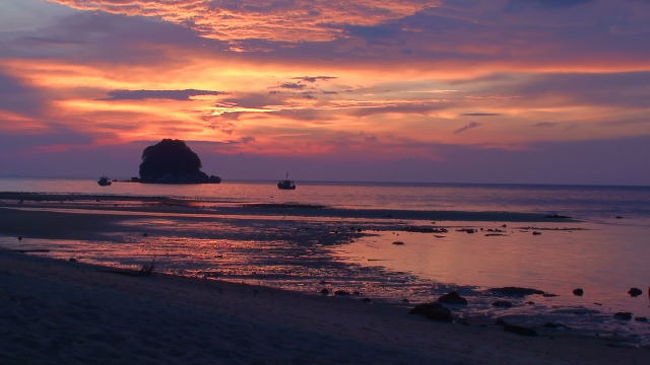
<point x="384" y="107"/>
<point x="326" y="76"/>
<point x="295" y="21"/>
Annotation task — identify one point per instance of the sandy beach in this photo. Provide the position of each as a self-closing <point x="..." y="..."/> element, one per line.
<point x="72" y="312"/>
<point x="57" y="312"/>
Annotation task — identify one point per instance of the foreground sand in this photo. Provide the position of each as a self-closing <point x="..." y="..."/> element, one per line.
<point x="58" y="312"/>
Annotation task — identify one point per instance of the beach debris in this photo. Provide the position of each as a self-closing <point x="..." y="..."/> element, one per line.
<point x="619" y="217"/>
<point x="20" y="238"/>
<point x="504" y="225"/>
<point x="452" y="298"/>
<point x="405" y="300"/>
<point x="513" y="291"/>
<point x="635" y="292"/>
<point x="557" y="216"/>
<point x="398" y="243"/>
<point x="434" y="311"/>
<point x="325" y="291"/>
<point x="494" y="235"/>
<point x="72" y="259"/>
<point x="421" y="229"/>
<point x="147" y="269"/>
<point x="467" y="230"/>
<point x="285" y="205"/>
<point x="516" y="329"/>
<point x="536" y="233"/>
<point x="578" y="311"/>
<point x="439" y="236"/>
<point x="342" y="293"/>
<point x="549" y="295"/>
<point x="356" y="292"/>
<point x="624" y="316"/>
<point x="641" y="319"/>
<point x="209" y="274"/>
<point x="145" y="234"/>
<point x="502" y="303"/>
<point x="578" y="292"/>
<point x="561" y="229"/>
<point x="556" y="325"/>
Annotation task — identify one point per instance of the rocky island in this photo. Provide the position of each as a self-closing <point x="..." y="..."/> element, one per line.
<point x="171" y="161"/>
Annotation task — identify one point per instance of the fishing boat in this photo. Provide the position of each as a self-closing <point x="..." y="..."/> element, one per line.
<point x="286" y="184"/>
<point x="104" y="181"/>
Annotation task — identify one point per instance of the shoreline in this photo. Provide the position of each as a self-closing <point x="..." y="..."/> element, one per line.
<point x="304" y="241"/>
<point x="217" y="207"/>
<point x="82" y="308"/>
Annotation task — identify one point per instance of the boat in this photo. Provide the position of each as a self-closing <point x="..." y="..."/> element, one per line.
<point x="286" y="184"/>
<point x="104" y="181"/>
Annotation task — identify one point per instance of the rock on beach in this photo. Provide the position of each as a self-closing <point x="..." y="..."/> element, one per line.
<point x="434" y="311"/>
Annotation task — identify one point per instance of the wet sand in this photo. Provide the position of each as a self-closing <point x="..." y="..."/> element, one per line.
<point x="64" y="312"/>
<point x="161" y="204"/>
<point x="57" y="311"/>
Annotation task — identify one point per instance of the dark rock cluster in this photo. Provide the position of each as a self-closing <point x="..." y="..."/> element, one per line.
<point x="452" y="298"/>
<point x="635" y="292"/>
<point x="513" y="291"/>
<point x="515" y="328"/>
<point x="434" y="311"/>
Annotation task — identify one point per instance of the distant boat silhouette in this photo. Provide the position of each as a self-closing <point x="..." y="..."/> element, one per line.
<point x="104" y="181"/>
<point x="286" y="184"/>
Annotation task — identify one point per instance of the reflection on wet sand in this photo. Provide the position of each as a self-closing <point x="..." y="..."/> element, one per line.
<point x="354" y="256"/>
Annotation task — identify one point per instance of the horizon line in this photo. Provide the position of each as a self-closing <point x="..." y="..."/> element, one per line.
<point x="359" y="182"/>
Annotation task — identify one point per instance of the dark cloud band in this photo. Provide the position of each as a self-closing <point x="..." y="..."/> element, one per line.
<point x="158" y="94"/>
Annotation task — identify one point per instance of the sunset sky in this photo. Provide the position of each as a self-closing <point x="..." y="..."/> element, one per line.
<point x="497" y="91"/>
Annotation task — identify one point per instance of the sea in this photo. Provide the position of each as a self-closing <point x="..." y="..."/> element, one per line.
<point x="604" y="249"/>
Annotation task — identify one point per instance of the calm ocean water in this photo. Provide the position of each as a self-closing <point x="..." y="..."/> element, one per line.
<point x="606" y="251"/>
<point x="576" y="201"/>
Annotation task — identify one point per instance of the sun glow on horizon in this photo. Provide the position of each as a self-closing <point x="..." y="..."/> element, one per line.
<point x="378" y="80"/>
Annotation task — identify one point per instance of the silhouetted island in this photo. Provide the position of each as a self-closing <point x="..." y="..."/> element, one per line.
<point x="171" y="161"/>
